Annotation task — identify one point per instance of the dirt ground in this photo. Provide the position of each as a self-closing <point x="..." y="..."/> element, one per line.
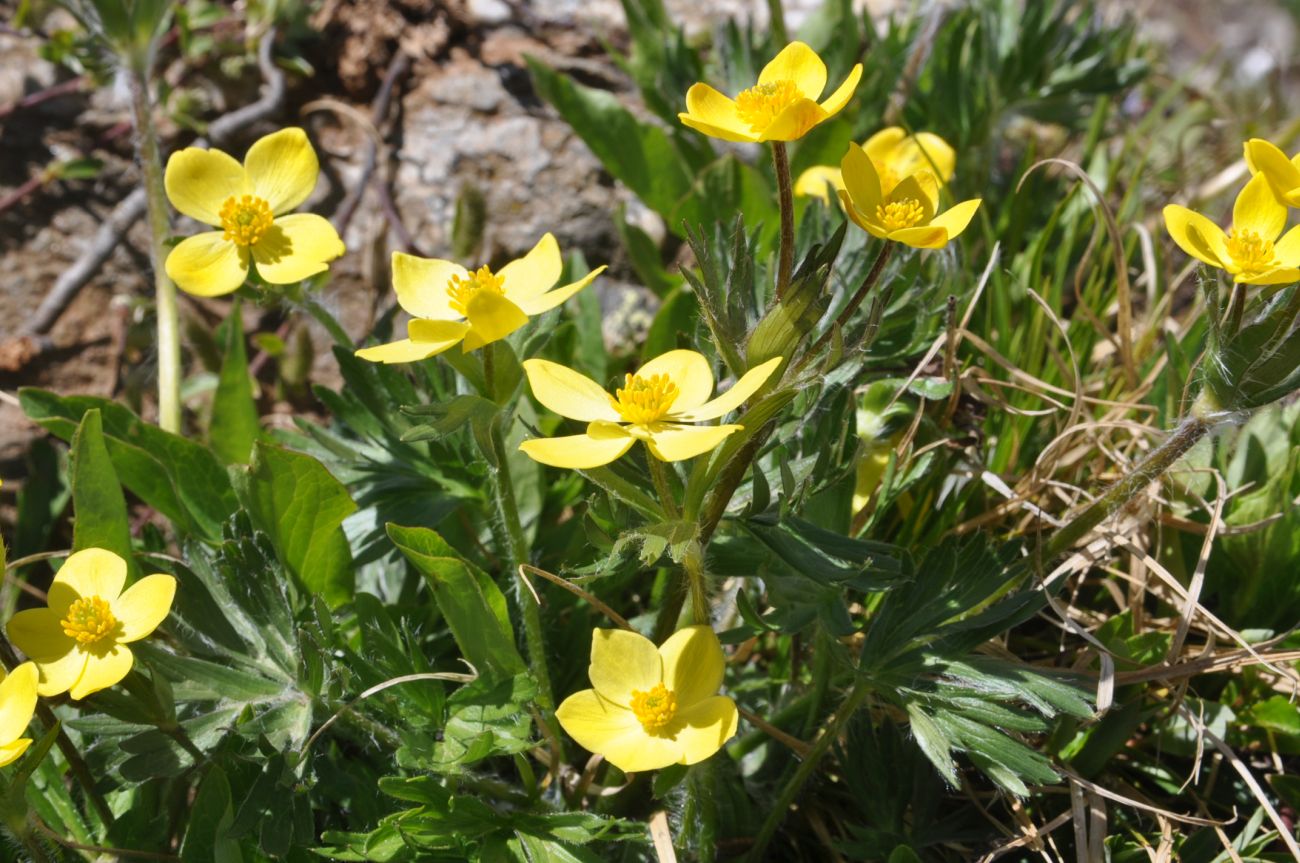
<point x="464" y="119"/>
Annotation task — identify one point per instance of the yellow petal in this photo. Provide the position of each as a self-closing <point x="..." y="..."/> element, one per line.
<point x="693" y="664"/>
<point x="714" y="114"/>
<point x="17" y="701"/>
<point x="798" y="63"/>
<point x="1258" y="209"/>
<point x="615" y="733"/>
<point x="207" y="265"/>
<point x="1282" y="276"/>
<point x="143" y="606"/>
<point x="835" y="102"/>
<point x="859" y="217"/>
<point x="955" y="219"/>
<point x="621" y="662"/>
<point x="794" y="121"/>
<point x="576" y="452"/>
<point x="921" y="187"/>
<point x="689" y="370"/>
<point x="880" y="146"/>
<point x="820" y="181"/>
<point x="93" y="572"/>
<point x="10" y="751"/>
<point x="297" y="246"/>
<point x="103" y="669"/>
<point x="491" y="317"/>
<point x="551" y="299"/>
<point x="199" y="181"/>
<point x="733" y="398"/>
<point x="706" y="726"/>
<point x="1196" y="235"/>
<point x="1282" y="174"/>
<point x="931" y="152"/>
<point x="861" y="182"/>
<point x="282" y="169"/>
<point x="404" y="351"/>
<point x="567" y="392"/>
<point x="534" y="273"/>
<point x="676" y="443"/>
<point x="421" y="285"/>
<point x="1287" y="250"/>
<point x="921" y="237"/>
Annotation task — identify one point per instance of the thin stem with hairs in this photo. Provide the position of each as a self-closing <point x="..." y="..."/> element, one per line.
<point x="785" y="194"/>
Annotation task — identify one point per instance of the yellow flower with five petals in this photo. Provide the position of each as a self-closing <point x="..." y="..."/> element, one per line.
<point x="251" y="204"/>
<point x="450" y="305"/>
<point x="79" y="641"/>
<point x="651" y="707"/>
<point x="895" y="155"/>
<point x="657" y="405"/>
<point x="17" y="703"/>
<point x="1282" y="174"/>
<point x="782" y="106"/>
<point x="908" y="213"/>
<point x="1250" y="250"/>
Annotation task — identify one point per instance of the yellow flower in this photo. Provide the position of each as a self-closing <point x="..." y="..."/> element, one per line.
<point x="1251" y="250"/>
<point x="79" y="641"/>
<point x="894" y="154"/>
<point x="654" y="405"/>
<point x="1283" y="174"/>
<point x="652" y="707"/>
<point x="17" y="703"/>
<point x="907" y="213"/>
<point x="781" y="107"/>
<point x="449" y="304"/>
<point x="249" y="203"/>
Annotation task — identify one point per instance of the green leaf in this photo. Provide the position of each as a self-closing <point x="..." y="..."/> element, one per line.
<point x="471" y="602"/>
<point x="210" y="816"/>
<point x="235" y="422"/>
<point x="934" y="743"/>
<point x="97" y="499"/>
<point x="181" y="479"/>
<point x="299" y="504"/>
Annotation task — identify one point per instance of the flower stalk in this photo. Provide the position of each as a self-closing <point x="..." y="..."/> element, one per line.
<point x="151" y="167"/>
<point x="785" y="194"/>
<point x="846" y="315"/>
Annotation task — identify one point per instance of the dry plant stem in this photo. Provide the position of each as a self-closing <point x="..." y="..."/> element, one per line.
<point x="785" y="193"/>
<point x="820" y="746"/>
<point x="1148" y="470"/>
<point x="169" y="337"/>
<point x="864" y="290"/>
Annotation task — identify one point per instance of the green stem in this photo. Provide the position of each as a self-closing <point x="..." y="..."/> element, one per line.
<point x="1118" y="495"/>
<point x="842" y="320"/>
<point x="169" y="342"/>
<point x="776" y="22"/>
<point x="776" y="814"/>
<point x="663" y="487"/>
<point x="785" y="195"/>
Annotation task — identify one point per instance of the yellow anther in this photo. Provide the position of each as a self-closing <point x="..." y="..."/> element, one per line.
<point x="900" y="214"/>
<point x="245" y="219"/>
<point x="645" y="400"/>
<point x="655" y="708"/>
<point x="463" y="289"/>
<point x="89" y="619"/>
<point x="760" y="105"/>
<point x="1251" y="252"/>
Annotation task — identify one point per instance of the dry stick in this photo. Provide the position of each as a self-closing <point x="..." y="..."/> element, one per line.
<point x="378" y="113"/>
<point x="591" y="600"/>
<point x="132" y="207"/>
<point x="128" y="853"/>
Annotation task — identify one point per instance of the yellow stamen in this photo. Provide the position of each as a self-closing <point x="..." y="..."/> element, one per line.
<point x="645" y="400"/>
<point x="89" y="620"/>
<point x="463" y="289"/>
<point x="655" y="708"/>
<point x="245" y="219"/>
<point x="760" y="105"/>
<point x="1251" y="252"/>
<point x="897" y="215"/>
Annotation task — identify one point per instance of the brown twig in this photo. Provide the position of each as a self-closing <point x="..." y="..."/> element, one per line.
<point x="378" y="112"/>
<point x="591" y="600"/>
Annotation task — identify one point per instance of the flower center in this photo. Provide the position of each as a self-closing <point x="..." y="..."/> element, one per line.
<point x="897" y="215"/>
<point x="245" y="219"/>
<point x="463" y="289"/>
<point x="645" y="400"/>
<point x="89" y="620"/>
<point x="1250" y="251"/>
<point x="759" y="105"/>
<point x="655" y="708"/>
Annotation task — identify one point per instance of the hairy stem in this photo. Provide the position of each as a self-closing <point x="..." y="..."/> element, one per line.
<point x="151" y="167"/>
<point x="864" y="290"/>
<point x="663" y="487"/>
<point x="777" y="813"/>
<point x="785" y="193"/>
